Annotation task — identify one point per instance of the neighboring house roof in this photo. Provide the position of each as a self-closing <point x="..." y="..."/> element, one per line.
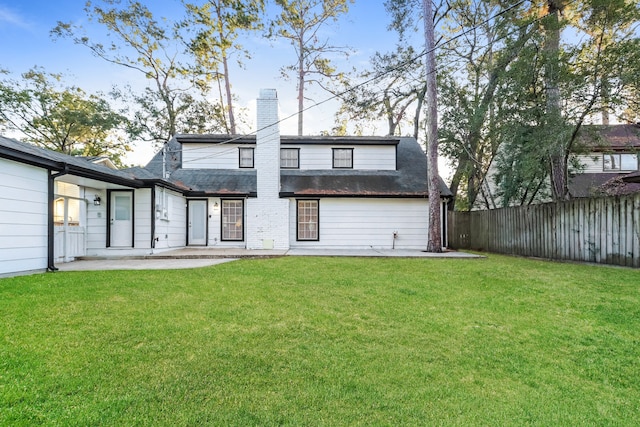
<point x="409" y="180"/>
<point x="632" y="177"/>
<point x="602" y="184"/>
<point x="606" y="139"/>
<point x="610" y="137"/>
<point x="618" y="187"/>
<point x="586" y="185"/>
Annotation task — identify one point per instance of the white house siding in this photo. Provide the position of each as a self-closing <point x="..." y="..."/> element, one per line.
<point x="211" y="156"/>
<point x="142" y="218"/>
<point x="363" y="223"/>
<point x="171" y="232"/>
<point x="374" y="157"/>
<point x="23" y="217"/>
<point x="314" y="157"/>
<point x="96" y="221"/>
<point x="592" y="163"/>
<point x="214" y="236"/>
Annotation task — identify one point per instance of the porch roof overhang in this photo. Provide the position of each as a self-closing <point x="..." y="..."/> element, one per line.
<point x="30" y="159"/>
<point x="66" y="165"/>
<point x="216" y="182"/>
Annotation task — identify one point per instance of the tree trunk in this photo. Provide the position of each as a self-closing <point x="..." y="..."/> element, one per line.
<point x="227" y="87"/>
<point x="300" y="86"/>
<point x="606" y="93"/>
<point x="434" y="242"/>
<point x="416" y="120"/>
<point x="551" y="48"/>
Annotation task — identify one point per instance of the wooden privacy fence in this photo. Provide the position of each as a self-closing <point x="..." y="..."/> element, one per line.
<point x="600" y="230"/>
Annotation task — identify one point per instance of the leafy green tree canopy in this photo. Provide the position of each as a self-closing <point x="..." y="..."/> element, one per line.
<point x="64" y="119"/>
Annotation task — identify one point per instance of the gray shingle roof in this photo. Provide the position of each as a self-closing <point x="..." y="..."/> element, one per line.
<point x="216" y="182"/>
<point x="601" y="184"/>
<point x="610" y="137"/>
<point x="409" y="180"/>
<point x="31" y="154"/>
<point x="632" y="177"/>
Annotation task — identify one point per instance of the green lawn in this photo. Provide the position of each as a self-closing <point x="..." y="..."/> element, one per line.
<point x="324" y="341"/>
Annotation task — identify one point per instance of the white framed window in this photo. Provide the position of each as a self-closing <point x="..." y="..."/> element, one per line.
<point x="308" y="221"/>
<point x="232" y="220"/>
<point x="290" y="158"/>
<point x="343" y="158"/>
<point x="620" y="162"/>
<point x="246" y="157"/>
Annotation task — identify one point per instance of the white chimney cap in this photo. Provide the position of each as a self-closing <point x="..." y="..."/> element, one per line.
<point x="268" y="94"/>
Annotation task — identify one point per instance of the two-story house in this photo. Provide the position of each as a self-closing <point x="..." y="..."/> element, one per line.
<point x="609" y="152"/>
<point x="261" y="191"/>
<point x="272" y="191"/>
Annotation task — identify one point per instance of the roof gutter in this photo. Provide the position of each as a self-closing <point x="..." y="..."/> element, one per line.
<point x="50" y="225"/>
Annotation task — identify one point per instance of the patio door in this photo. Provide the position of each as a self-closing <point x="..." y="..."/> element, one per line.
<point x="121" y="219"/>
<point x="197" y="227"/>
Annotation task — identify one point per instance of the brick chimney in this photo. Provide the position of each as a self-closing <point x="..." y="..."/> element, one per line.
<point x="268" y="214"/>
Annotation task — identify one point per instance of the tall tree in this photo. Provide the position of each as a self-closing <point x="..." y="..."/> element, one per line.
<point x="300" y="22"/>
<point x="140" y="42"/>
<point x="217" y="25"/>
<point x="395" y="97"/>
<point x="494" y="33"/>
<point x="64" y="119"/>
<point x="551" y="50"/>
<point x="588" y="75"/>
<point x="434" y="241"/>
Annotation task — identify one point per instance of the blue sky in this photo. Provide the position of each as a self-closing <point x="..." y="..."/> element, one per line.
<point x="26" y="42"/>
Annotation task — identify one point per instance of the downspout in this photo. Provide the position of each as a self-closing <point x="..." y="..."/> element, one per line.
<point x="50" y="226"/>
<point x="153" y="218"/>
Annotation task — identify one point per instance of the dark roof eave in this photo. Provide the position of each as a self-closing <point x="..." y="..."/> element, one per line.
<point x="194" y="193"/>
<point x="105" y="177"/>
<point x="68" y="168"/>
<point x="30" y="159"/>
<point x="287" y="139"/>
<point x="286" y="194"/>
<point x="163" y="183"/>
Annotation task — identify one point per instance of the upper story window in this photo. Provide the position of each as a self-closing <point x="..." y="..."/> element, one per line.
<point x="246" y="157"/>
<point x="618" y="162"/>
<point x="343" y="158"/>
<point x="290" y="158"/>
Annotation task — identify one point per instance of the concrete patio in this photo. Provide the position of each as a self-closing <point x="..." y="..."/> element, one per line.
<point x="202" y="257"/>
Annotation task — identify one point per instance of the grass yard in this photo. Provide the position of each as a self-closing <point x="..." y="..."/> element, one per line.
<point x="324" y="341"/>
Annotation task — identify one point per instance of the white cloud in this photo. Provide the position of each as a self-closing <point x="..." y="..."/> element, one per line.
<point x="11" y="18"/>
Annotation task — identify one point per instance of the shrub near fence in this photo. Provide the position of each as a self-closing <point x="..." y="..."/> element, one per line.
<point x="600" y="230"/>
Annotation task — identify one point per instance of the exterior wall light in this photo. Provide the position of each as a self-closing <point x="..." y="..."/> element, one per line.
<point x="97" y="200"/>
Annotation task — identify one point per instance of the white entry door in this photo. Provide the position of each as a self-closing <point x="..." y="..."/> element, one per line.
<point x="197" y="232"/>
<point x="121" y="219"/>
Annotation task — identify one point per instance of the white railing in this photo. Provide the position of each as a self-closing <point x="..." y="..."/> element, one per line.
<point x="69" y="243"/>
